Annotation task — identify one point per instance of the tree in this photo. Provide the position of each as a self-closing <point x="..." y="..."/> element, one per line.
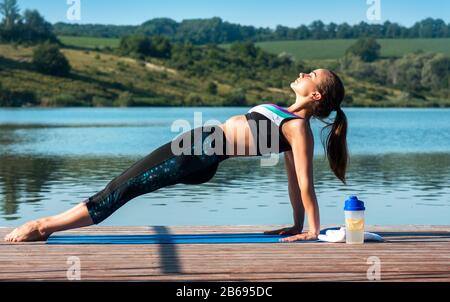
<point x="236" y="98"/>
<point x="139" y="44"/>
<point x="29" y="28"/>
<point x="245" y="49"/>
<point x="332" y="30"/>
<point x="344" y="31"/>
<point x="214" y="30"/>
<point x="10" y="11"/>
<point x="212" y="88"/>
<point x="392" y="30"/>
<point x="36" y="29"/>
<point x="48" y="59"/>
<point x="4" y="96"/>
<point x="303" y="32"/>
<point x="135" y="44"/>
<point x="436" y="72"/>
<point x="410" y="68"/>
<point x="317" y="29"/>
<point x="160" y="27"/>
<point x="366" y="48"/>
<point x="160" y="47"/>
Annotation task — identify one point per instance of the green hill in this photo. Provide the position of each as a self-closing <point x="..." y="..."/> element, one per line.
<point x="105" y="79"/>
<point x="333" y="49"/>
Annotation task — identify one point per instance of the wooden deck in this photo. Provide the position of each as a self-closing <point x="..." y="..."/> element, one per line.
<point x="411" y="253"/>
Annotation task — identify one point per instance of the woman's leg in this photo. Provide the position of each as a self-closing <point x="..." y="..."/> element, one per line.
<point x="101" y="205"/>
<point x="159" y="169"/>
<point x="41" y="229"/>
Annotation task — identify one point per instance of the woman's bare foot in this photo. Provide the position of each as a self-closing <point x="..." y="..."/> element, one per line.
<point x="41" y="229"/>
<point x="30" y="231"/>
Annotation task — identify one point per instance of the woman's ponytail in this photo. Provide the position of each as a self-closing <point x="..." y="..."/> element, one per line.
<point x="336" y="145"/>
<point x="335" y="142"/>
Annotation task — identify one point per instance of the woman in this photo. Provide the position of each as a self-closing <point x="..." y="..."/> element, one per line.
<point x="317" y="95"/>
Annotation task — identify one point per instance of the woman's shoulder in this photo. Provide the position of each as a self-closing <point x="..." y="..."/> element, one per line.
<point x="295" y="124"/>
<point x="295" y="129"/>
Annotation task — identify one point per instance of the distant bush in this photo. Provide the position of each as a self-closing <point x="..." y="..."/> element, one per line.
<point x="141" y="62"/>
<point x="367" y="49"/>
<point x="193" y="99"/>
<point x="98" y="101"/>
<point x="48" y="59"/>
<point x="212" y="88"/>
<point x="236" y="98"/>
<point x="375" y="96"/>
<point x="122" y="66"/>
<point x="141" y="45"/>
<point x="415" y="95"/>
<point x="150" y="77"/>
<point x="129" y="85"/>
<point x="125" y="99"/>
<point x="117" y="85"/>
<point x="10" y="98"/>
<point x="436" y="73"/>
<point x="348" y="100"/>
<point x="286" y="56"/>
<point x="360" y="69"/>
<point x="66" y="100"/>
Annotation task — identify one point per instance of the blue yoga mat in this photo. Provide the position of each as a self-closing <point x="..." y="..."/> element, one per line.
<point x="169" y="239"/>
<point x="166" y="239"/>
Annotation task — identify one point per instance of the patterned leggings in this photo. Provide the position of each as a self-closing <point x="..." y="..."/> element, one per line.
<point x="161" y="168"/>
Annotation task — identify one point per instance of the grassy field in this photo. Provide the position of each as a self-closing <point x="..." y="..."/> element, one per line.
<point x="303" y="49"/>
<point x="89" y="42"/>
<point x="333" y="49"/>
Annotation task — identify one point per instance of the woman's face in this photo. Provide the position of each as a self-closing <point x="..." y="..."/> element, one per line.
<point x="306" y="83"/>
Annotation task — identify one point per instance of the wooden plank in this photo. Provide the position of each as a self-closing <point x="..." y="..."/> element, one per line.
<point x="411" y="253"/>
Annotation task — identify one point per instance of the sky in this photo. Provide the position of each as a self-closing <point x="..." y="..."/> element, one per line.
<point x="259" y="13"/>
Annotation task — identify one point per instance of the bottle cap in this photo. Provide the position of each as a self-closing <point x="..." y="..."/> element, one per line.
<point x="354" y="204"/>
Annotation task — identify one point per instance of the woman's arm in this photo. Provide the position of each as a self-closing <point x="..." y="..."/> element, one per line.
<point x="302" y="150"/>
<point x="295" y="198"/>
<point x="294" y="191"/>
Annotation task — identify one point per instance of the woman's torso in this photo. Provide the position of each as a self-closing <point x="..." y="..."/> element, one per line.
<point x="239" y="134"/>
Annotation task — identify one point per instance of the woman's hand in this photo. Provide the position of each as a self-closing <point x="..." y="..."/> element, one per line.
<point x="294" y="230"/>
<point x="298" y="237"/>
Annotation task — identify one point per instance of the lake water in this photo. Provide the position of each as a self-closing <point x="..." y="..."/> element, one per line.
<point x="51" y="159"/>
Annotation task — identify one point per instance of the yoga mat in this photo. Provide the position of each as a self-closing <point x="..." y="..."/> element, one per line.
<point x="168" y="239"/>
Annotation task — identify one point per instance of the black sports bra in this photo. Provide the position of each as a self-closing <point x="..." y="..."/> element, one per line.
<point x="273" y="116"/>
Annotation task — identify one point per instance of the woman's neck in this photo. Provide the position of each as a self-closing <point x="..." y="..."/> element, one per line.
<point x="298" y="109"/>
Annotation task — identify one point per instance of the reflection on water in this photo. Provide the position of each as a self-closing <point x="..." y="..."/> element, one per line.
<point x="51" y="160"/>
<point x="390" y="184"/>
